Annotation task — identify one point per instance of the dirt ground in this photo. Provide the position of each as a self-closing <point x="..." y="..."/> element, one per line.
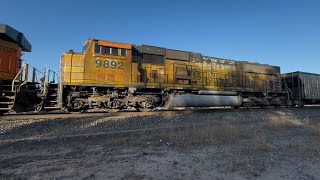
<point x="210" y="144"/>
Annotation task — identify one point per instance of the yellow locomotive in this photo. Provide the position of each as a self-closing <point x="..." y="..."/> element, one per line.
<point x="116" y="76"/>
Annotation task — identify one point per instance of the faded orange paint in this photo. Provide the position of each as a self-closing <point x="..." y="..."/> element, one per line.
<point x="10" y="60"/>
<point x="114" y="44"/>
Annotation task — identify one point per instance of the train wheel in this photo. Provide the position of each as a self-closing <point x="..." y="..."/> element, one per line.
<point x="144" y="109"/>
<point x="301" y="104"/>
<point x="38" y="107"/>
<point x="77" y="106"/>
<point x="112" y="106"/>
<point x="146" y="106"/>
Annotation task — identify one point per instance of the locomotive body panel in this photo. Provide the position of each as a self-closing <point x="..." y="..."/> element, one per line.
<point x="125" y="65"/>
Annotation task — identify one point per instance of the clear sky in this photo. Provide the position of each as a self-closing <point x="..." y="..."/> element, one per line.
<point x="278" y="32"/>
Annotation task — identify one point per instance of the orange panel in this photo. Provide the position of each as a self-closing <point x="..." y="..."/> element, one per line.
<point x="9" y="61"/>
<point x="114" y="44"/>
<point x="1" y="59"/>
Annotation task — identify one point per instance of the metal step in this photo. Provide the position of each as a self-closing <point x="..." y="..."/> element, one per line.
<point x="54" y="94"/>
<point x="6" y="91"/>
<point x="51" y="107"/>
<point x="11" y="102"/>
<point x="50" y="101"/>
<point x="8" y="85"/>
<point x="10" y="97"/>
<point x="5" y="109"/>
<point x="7" y="97"/>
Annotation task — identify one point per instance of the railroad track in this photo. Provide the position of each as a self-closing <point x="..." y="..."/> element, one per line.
<point x="64" y="114"/>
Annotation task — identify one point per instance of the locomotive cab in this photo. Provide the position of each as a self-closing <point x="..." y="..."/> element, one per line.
<point x="100" y="62"/>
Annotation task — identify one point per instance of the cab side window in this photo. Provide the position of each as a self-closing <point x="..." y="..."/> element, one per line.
<point x="115" y="51"/>
<point x="123" y="52"/>
<point x="105" y="50"/>
<point x="96" y="48"/>
<point x="109" y="50"/>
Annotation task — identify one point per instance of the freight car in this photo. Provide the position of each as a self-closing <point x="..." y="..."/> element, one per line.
<point x="115" y="76"/>
<point x="303" y="88"/>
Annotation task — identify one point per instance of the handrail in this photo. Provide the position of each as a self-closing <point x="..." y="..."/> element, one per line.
<point x="55" y="75"/>
<point x="12" y="87"/>
<point x="45" y="80"/>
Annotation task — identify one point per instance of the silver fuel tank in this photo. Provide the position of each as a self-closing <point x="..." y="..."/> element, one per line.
<point x="194" y="100"/>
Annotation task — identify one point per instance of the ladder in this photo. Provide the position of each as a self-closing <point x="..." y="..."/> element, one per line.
<point x="7" y="96"/>
<point x="8" y="89"/>
<point x="51" y="102"/>
<point x="51" y="91"/>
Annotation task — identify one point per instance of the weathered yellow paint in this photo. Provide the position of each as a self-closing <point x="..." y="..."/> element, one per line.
<point x="119" y="71"/>
<point x="101" y="69"/>
<point x="72" y="67"/>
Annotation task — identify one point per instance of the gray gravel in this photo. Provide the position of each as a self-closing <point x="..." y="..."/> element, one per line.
<point x="42" y="128"/>
<point x="118" y="147"/>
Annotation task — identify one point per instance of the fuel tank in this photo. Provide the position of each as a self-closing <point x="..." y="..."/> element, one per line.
<point x="194" y="100"/>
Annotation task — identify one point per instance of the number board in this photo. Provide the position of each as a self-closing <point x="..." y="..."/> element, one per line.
<point x="109" y="63"/>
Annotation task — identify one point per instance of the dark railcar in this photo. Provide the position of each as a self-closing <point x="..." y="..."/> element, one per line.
<point x="303" y="88"/>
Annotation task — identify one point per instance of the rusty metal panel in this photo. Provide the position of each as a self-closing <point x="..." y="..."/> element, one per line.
<point x="260" y="68"/>
<point x="310" y="84"/>
<point x="136" y="59"/>
<point x="303" y="85"/>
<point x="136" y="54"/>
<point x="153" y="59"/>
<point x="178" y="55"/>
<point x="195" y="57"/>
<point x="114" y="44"/>
<point x="219" y="63"/>
<point x="145" y="49"/>
<point x="9" y="62"/>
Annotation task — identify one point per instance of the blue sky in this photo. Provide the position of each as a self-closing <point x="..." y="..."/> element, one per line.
<point x="283" y="33"/>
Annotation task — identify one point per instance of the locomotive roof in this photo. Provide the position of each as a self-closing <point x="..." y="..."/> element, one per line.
<point x="157" y="47"/>
<point x="300" y="72"/>
<point x="10" y="34"/>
